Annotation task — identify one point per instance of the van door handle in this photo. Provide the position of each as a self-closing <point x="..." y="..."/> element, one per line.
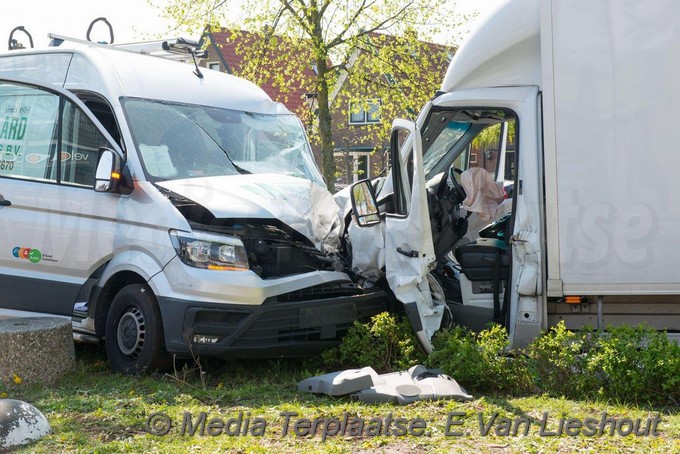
<point x="4" y="203"/>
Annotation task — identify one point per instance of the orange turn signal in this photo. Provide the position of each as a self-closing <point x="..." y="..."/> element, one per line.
<point x="573" y="299"/>
<point x="115" y="175"/>
<point x="226" y="268"/>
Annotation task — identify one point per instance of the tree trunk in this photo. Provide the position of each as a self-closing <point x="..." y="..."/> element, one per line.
<point x="325" y="131"/>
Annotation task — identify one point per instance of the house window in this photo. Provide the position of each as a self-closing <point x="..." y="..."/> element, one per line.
<point x="473" y="158"/>
<point x="352" y="166"/>
<point x="214" y="66"/>
<point x="363" y="112"/>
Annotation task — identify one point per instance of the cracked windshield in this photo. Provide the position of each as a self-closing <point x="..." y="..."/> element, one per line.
<point x="180" y="141"/>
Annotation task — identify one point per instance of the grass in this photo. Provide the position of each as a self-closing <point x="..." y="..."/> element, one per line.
<point x="94" y="410"/>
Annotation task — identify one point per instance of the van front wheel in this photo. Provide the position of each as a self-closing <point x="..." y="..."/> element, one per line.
<point x="134" y="332"/>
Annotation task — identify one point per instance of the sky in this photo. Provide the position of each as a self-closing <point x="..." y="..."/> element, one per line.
<point x="132" y="20"/>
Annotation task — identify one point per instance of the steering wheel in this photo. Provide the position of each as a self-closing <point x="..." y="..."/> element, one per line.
<point x="454" y="179"/>
<point x="443" y="199"/>
<point x="454" y="187"/>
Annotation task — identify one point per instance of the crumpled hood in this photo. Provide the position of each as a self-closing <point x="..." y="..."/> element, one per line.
<point x="299" y="203"/>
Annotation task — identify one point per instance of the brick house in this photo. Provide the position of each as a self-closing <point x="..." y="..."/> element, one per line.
<point x="363" y="107"/>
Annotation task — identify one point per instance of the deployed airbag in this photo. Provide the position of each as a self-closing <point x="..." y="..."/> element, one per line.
<point x="483" y="194"/>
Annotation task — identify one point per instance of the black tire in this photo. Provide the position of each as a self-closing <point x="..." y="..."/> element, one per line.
<point x="134" y="332"/>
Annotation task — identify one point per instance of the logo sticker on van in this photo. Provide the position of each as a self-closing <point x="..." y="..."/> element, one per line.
<point x="35" y="158"/>
<point x="32" y="255"/>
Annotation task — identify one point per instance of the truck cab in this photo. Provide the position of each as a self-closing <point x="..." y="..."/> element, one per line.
<point x="582" y="92"/>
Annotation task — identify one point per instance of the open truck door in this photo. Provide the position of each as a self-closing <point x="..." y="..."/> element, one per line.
<point x="499" y="269"/>
<point x="409" y="251"/>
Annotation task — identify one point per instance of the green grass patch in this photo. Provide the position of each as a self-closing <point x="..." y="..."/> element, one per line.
<point x="94" y="410"/>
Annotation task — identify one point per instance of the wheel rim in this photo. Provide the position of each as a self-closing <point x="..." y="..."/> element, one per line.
<point x="131" y="332"/>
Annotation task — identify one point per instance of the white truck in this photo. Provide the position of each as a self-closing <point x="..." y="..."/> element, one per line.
<point x="581" y="96"/>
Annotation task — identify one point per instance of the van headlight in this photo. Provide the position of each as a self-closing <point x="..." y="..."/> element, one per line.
<point x="210" y="251"/>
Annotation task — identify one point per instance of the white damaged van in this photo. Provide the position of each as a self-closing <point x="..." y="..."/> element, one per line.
<point x="165" y="209"/>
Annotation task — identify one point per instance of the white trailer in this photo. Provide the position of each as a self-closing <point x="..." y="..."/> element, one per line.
<point x="581" y="96"/>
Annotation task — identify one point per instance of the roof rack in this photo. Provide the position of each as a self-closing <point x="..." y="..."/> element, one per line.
<point x="13" y="44"/>
<point x="174" y="49"/>
<point x="179" y="49"/>
<point x="108" y="24"/>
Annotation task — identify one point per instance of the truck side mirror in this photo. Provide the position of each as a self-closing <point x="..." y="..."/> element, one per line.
<point x="364" y="205"/>
<point x="112" y="174"/>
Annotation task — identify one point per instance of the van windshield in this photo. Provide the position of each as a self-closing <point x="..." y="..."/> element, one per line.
<point x="178" y="141"/>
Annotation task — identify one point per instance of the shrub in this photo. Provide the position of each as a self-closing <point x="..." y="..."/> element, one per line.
<point x="385" y="343"/>
<point x="558" y="362"/>
<point x="480" y="362"/>
<point x="663" y="355"/>
<point x="636" y="364"/>
<point x="625" y="363"/>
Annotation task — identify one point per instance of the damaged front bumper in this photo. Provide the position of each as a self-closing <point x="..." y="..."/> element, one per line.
<point x="294" y="324"/>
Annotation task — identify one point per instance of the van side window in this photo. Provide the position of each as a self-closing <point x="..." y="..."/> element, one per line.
<point x="32" y="121"/>
<point x="80" y="147"/>
<point x="103" y="113"/>
<point x="28" y="132"/>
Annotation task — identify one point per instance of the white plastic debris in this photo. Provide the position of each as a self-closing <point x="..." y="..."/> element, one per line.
<point x="366" y="385"/>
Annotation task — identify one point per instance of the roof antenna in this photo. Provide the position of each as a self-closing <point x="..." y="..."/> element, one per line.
<point x="198" y="72"/>
<point x="13" y="44"/>
<point x="184" y="46"/>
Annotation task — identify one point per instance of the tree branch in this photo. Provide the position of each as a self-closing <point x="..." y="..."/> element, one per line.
<point x="339" y="38"/>
<point x="382" y="25"/>
<point x="303" y="21"/>
<point x="324" y="7"/>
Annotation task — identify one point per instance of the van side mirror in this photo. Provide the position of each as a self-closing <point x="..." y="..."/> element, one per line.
<point x="112" y="174"/>
<point x="364" y="205"/>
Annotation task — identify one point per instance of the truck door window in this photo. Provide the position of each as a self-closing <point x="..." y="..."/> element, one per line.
<point x="485" y="151"/>
<point x="464" y="138"/>
<point x="104" y="114"/>
<point x="401" y="192"/>
<point x="28" y="132"/>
